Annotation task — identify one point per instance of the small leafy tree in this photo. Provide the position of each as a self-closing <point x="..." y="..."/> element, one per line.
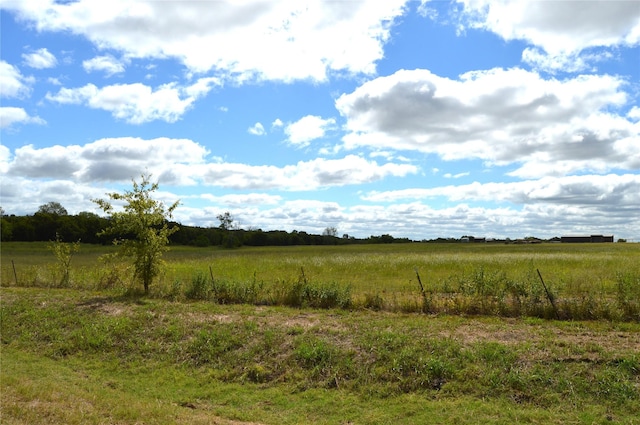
<point x="63" y="252"/>
<point x="226" y="221"/>
<point x="141" y="229"/>
<point x="226" y="225"/>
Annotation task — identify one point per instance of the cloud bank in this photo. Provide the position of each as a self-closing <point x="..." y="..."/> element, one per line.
<point x="253" y="39"/>
<point x="500" y="116"/>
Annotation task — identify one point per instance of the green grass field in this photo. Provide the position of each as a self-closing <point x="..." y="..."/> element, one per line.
<point x="587" y="281"/>
<point x="251" y="346"/>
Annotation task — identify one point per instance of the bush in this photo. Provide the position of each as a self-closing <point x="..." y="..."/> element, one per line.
<point x="199" y="289"/>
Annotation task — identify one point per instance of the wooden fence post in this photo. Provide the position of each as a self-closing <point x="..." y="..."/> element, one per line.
<point x="549" y="296"/>
<point x="15" y="275"/>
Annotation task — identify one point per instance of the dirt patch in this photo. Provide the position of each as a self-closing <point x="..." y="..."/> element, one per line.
<point x="550" y="343"/>
<point x="191" y="317"/>
<point x="106" y="306"/>
<point x="197" y="413"/>
<point x="305" y="321"/>
<point x="612" y="342"/>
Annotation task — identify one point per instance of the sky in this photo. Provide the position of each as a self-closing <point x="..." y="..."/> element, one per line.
<point x="419" y="119"/>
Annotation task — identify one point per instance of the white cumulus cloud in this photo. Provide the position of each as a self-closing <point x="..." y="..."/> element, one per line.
<point x="184" y="162"/>
<point x="250" y="39"/>
<point x="113" y="159"/>
<point x="503" y="117"/>
<point x="303" y="176"/>
<point x="137" y="103"/>
<point x="40" y="59"/>
<point x="106" y="63"/>
<point x="623" y="191"/>
<point x="306" y="129"/>
<point x="561" y="29"/>
<point x="12" y="82"/>
<point x="257" y="129"/>
<point x="10" y="115"/>
<point x="559" y="26"/>
<point x="243" y="200"/>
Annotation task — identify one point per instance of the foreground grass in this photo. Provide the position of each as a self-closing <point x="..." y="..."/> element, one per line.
<point x="72" y="356"/>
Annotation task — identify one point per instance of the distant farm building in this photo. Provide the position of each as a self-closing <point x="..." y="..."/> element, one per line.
<point x="472" y="239"/>
<point x="586" y="239"/>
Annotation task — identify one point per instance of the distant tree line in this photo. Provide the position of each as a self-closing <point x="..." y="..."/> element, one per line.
<point x="52" y="221"/>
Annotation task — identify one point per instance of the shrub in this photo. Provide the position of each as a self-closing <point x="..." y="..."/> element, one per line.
<point x="199" y="288"/>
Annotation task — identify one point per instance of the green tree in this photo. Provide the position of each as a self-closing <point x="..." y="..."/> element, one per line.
<point x="5" y="227"/>
<point x="329" y="236"/>
<point x="54" y="208"/>
<point x="46" y="221"/>
<point x="141" y="229"/>
<point x="226" y="225"/>
<point x="226" y="221"/>
<point x="6" y="230"/>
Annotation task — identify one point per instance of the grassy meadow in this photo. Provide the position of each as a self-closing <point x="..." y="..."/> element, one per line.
<point x="324" y="335"/>
<point x="579" y="281"/>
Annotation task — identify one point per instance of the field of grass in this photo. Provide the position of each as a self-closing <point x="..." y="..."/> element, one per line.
<point x="325" y="335"/>
<point x="585" y="281"/>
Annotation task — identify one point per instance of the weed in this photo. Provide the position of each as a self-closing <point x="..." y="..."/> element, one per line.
<point x="415" y="369"/>
<point x="209" y="345"/>
<point x="176" y="291"/>
<point x="630" y="365"/>
<point x="326" y="363"/>
<point x="312" y="352"/>
<point x="248" y="292"/>
<point x="373" y="302"/>
<point x="497" y="354"/>
<point x="329" y="295"/>
<point x="258" y="374"/>
<point x="200" y="288"/>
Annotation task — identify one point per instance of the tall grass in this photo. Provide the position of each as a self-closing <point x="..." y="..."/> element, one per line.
<point x="299" y="293"/>
<point x="599" y="281"/>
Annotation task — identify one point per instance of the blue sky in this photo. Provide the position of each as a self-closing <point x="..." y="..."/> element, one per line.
<point x="417" y="119"/>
